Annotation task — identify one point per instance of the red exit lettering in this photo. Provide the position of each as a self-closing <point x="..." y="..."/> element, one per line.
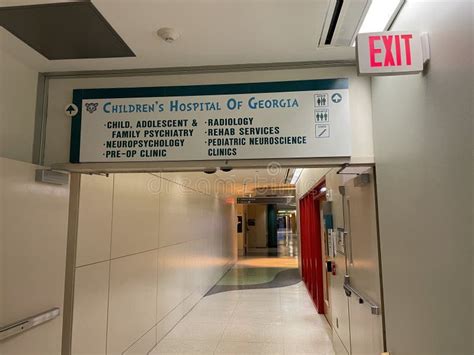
<point x="392" y="45"/>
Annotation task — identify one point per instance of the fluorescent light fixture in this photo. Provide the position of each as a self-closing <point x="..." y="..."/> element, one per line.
<point x="296" y="176"/>
<point x="380" y="15"/>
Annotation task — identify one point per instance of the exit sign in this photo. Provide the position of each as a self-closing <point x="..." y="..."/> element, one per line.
<point x="391" y="53"/>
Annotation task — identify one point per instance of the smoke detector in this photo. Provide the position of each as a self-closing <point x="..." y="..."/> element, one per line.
<point x="168" y="34"/>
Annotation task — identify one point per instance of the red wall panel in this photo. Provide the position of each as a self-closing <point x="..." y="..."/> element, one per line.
<point x="311" y="253"/>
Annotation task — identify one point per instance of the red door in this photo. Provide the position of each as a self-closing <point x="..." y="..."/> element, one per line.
<point x="311" y="253"/>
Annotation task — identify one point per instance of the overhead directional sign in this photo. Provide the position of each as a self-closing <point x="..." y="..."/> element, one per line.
<point x="271" y="120"/>
<point x="391" y="53"/>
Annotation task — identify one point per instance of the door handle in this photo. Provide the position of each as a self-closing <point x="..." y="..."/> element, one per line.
<point x="349" y="290"/>
<point x="348" y="235"/>
<point x="28" y="323"/>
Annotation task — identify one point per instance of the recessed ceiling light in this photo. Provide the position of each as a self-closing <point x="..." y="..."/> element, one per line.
<point x="296" y="176"/>
<point x="380" y="15"/>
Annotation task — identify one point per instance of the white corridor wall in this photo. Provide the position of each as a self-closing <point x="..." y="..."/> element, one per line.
<point x="149" y="246"/>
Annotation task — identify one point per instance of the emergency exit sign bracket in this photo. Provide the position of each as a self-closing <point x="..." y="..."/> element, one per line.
<point x="392" y="53"/>
<point x="425" y="46"/>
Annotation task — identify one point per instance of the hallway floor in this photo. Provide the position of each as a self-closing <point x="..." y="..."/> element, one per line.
<point x="278" y="318"/>
<point x="287" y="245"/>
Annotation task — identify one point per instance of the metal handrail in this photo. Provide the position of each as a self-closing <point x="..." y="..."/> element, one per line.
<point x="23" y="325"/>
<point x="374" y="308"/>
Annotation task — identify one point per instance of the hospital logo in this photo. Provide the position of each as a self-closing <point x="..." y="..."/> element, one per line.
<point x="91" y="107"/>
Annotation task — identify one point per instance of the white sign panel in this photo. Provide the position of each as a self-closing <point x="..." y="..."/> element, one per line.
<point x="389" y="53"/>
<point x="149" y="124"/>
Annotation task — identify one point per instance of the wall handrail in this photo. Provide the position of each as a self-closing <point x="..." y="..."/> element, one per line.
<point x="349" y="290"/>
<point x="23" y="325"/>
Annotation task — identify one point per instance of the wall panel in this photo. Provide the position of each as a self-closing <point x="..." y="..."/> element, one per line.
<point x="132" y="300"/>
<point x="135" y="215"/>
<point x="95" y="219"/>
<point x="33" y="234"/>
<point x="172" y="238"/>
<point x="18" y="83"/>
<point x="90" y="309"/>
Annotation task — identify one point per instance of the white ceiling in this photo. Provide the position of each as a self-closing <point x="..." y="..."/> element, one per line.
<point x="245" y="181"/>
<point x="237" y="182"/>
<point x="213" y="32"/>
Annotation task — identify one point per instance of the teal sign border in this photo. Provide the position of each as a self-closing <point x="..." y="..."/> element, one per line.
<point x="193" y="90"/>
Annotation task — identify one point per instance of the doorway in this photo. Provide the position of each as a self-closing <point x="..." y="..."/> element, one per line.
<point x="251" y="292"/>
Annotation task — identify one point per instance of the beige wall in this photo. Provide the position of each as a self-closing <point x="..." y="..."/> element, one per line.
<point x="308" y="179"/>
<point x="423" y="150"/>
<point x="257" y="235"/>
<point x="33" y="233"/>
<point x="340" y="304"/>
<point x="239" y="211"/>
<point x="338" y="300"/>
<point x="354" y="327"/>
<point x="17" y="106"/>
<point x="60" y="94"/>
<point x="149" y="246"/>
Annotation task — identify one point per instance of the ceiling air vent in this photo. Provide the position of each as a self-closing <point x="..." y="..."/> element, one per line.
<point x="342" y="22"/>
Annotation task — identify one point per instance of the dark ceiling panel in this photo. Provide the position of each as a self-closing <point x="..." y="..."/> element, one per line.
<point x="70" y="30"/>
